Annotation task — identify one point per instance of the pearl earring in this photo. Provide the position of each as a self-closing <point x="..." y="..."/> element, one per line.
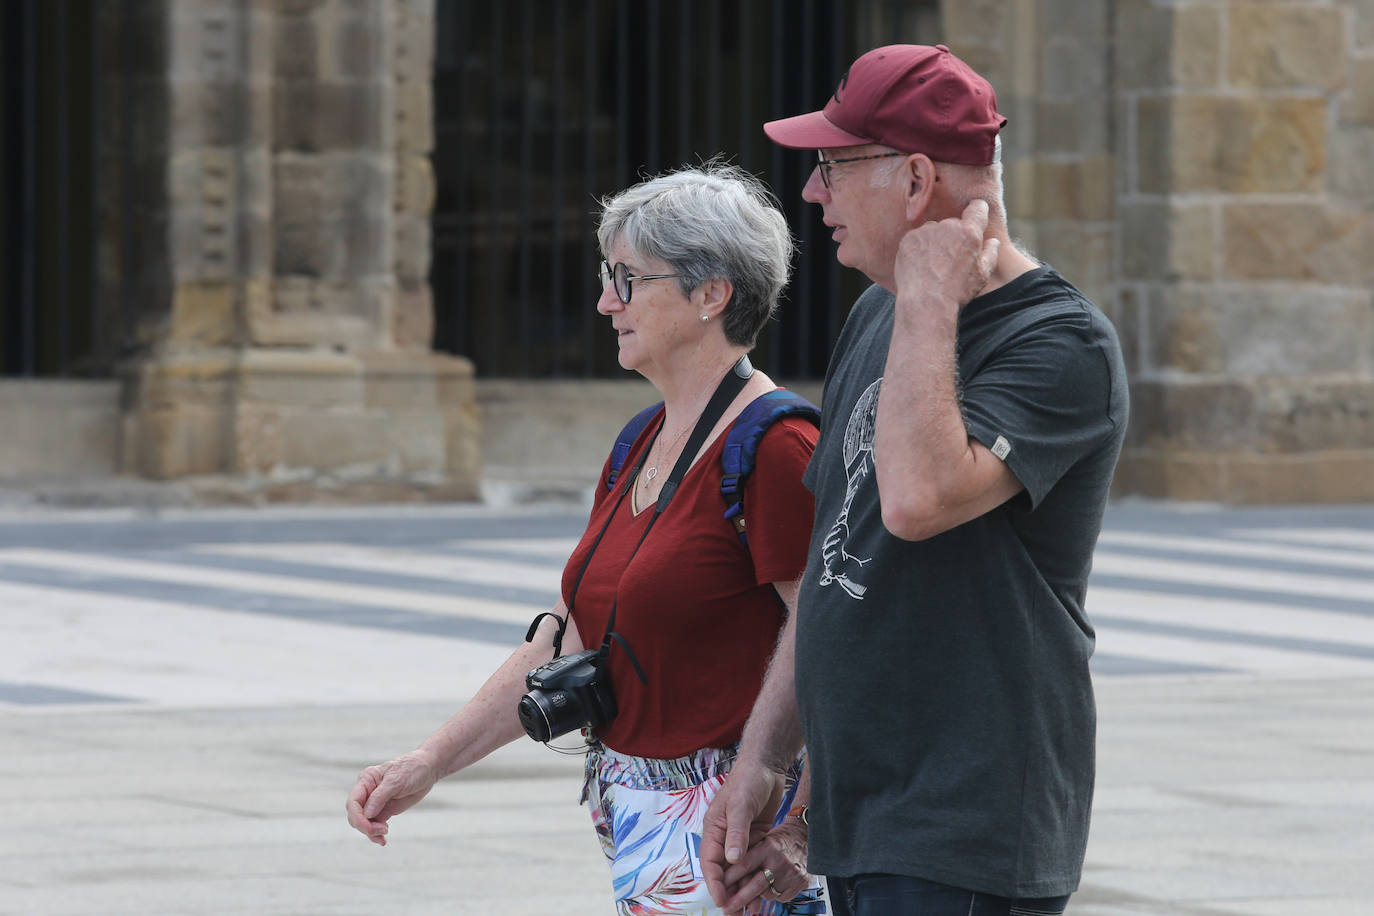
<point x="705" y="318"/>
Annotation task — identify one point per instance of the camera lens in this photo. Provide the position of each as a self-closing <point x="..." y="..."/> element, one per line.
<point x="546" y="714"/>
<point x="534" y="719"/>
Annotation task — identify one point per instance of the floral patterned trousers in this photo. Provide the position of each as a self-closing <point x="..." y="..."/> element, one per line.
<point x="648" y="814"/>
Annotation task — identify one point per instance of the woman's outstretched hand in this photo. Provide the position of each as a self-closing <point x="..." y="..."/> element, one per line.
<point x="386" y="789"/>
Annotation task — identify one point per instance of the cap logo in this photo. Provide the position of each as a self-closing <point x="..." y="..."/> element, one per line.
<point x="839" y="90"/>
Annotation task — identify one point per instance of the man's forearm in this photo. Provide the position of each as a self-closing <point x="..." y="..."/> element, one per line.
<point x="773" y="735"/>
<point x="920" y="441"/>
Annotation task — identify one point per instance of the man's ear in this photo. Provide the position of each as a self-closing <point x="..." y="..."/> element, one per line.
<point x="918" y="184"/>
<point x="715" y="295"/>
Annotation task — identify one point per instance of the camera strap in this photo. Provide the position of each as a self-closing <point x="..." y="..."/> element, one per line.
<point x="726" y="392"/>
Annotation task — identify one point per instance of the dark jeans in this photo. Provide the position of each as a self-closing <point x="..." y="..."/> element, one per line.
<point x="898" y="895"/>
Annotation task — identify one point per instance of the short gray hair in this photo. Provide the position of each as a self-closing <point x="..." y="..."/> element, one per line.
<point x="712" y="220"/>
<point x="966" y="182"/>
<point x="970" y="182"/>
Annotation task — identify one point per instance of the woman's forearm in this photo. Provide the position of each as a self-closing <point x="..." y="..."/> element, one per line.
<point x="488" y="721"/>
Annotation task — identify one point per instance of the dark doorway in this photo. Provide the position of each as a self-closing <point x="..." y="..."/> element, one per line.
<point x="47" y="229"/>
<point x="543" y="106"/>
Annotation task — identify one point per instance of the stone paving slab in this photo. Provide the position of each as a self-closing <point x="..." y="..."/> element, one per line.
<point x="241" y="811"/>
<point x="1227" y="795"/>
<point x="1216" y="796"/>
<point x="1240" y="785"/>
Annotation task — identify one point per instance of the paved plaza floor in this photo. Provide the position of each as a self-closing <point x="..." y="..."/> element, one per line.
<point x="186" y="698"/>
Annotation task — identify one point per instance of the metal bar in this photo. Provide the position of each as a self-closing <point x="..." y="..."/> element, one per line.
<point x="28" y="207"/>
<point x="654" y="44"/>
<point x="713" y="65"/>
<point x="834" y="308"/>
<point x="444" y="36"/>
<point x="9" y="175"/>
<point x="64" y="329"/>
<point x="746" y="84"/>
<point x="777" y="100"/>
<point x="495" y="43"/>
<point x="591" y="53"/>
<point x="807" y="307"/>
<point x="622" y="92"/>
<point x="99" y="321"/>
<point x="128" y="255"/>
<point x="556" y="300"/>
<point x="526" y="307"/>
<point x="686" y="13"/>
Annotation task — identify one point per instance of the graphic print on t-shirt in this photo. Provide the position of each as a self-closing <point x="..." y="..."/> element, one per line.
<point x="840" y="565"/>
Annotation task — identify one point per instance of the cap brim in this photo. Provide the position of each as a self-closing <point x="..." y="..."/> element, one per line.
<point x="810" y="131"/>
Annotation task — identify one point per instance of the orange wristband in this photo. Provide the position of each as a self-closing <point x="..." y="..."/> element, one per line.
<point x="800" y="812"/>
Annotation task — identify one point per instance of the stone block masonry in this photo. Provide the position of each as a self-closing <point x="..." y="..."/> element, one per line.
<point x="1202" y="169"/>
<point x="292" y="342"/>
<point x="1246" y="287"/>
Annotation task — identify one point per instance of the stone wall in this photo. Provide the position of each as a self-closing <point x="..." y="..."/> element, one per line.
<point x="1204" y="169"/>
<point x="1050" y="62"/>
<point x="57" y="428"/>
<point x="1247" y="229"/>
<point x="293" y="339"/>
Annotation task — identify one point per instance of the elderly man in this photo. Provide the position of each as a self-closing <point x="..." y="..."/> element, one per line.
<point x="973" y="413"/>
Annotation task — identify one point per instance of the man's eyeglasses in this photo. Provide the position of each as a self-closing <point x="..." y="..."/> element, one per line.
<point x="825" y="163"/>
<point x="620" y="275"/>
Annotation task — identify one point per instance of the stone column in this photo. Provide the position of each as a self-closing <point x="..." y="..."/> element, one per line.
<point x="294" y="349"/>
<point x="1247" y="248"/>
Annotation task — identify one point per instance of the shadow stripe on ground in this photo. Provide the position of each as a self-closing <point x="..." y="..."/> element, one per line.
<point x="250" y="602"/>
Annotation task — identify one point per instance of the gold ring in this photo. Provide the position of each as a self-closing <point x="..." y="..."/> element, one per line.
<point x="768" y="876"/>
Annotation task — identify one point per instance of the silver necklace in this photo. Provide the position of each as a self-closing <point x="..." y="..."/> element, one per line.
<point x="652" y="471"/>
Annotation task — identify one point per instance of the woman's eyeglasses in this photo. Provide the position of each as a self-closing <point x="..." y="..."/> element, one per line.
<point x="620" y="275"/>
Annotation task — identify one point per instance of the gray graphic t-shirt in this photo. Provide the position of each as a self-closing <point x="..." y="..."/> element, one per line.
<point x="944" y="684"/>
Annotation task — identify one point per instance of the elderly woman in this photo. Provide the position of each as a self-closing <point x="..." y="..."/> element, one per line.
<point x="687" y="615"/>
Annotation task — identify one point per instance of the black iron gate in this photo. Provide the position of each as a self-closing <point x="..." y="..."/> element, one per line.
<point x="47" y="177"/>
<point x="542" y="106"/>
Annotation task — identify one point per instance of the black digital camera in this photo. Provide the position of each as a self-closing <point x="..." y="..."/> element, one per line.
<point x="566" y="693"/>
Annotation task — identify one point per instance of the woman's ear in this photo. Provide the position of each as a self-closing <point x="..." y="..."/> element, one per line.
<point x="715" y="295"/>
<point x="918" y="185"/>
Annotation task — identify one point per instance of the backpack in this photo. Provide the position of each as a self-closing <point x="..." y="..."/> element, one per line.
<point x="741" y="444"/>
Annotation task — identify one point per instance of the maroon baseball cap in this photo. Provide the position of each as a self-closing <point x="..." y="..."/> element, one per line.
<point x="913" y="98"/>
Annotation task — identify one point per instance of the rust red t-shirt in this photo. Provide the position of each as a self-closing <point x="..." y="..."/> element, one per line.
<point x="697" y="607"/>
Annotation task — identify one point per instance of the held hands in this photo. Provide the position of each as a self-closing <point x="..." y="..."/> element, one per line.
<point x="948" y="258"/>
<point x="737" y="844"/>
<point x="773" y="869"/>
<point x="386" y="789"/>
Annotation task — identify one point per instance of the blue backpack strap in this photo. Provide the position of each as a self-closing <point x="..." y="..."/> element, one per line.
<point x="742" y="445"/>
<point x="626" y="440"/>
